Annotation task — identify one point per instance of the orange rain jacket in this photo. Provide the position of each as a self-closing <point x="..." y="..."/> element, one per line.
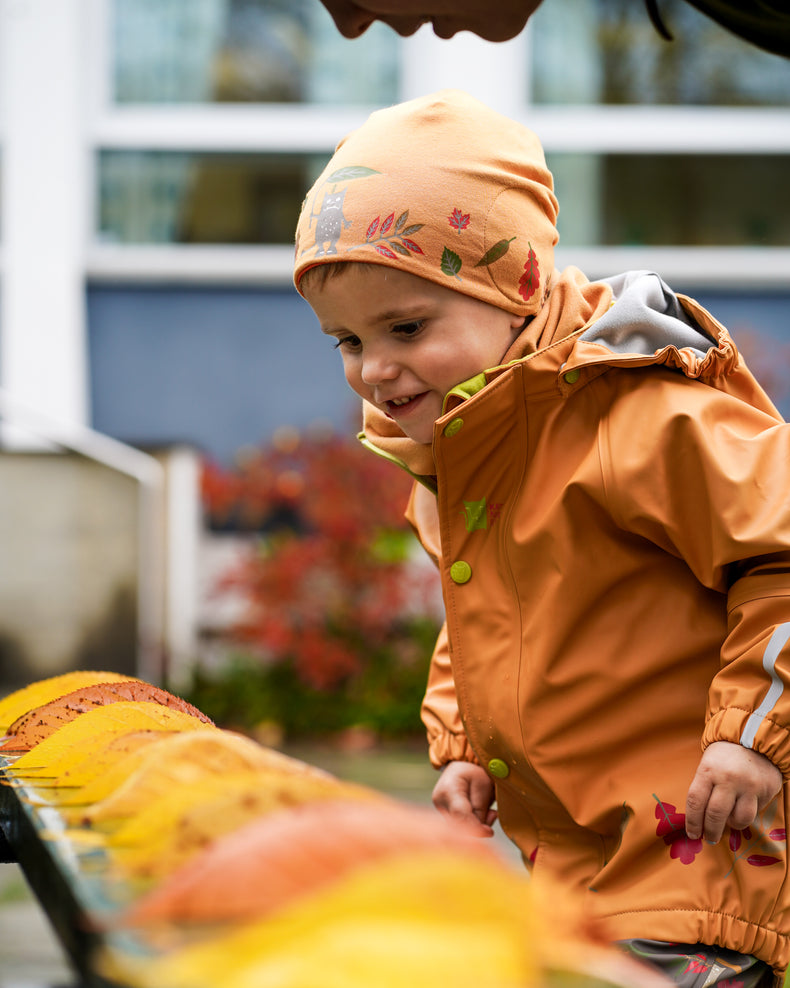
<point x="611" y="518"/>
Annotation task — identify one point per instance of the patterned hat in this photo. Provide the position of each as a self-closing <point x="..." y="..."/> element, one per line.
<point x="444" y="188"/>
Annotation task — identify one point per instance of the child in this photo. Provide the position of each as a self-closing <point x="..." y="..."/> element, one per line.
<point x="603" y="486"/>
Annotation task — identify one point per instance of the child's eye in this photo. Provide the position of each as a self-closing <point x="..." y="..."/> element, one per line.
<point x="347" y="343"/>
<point x="409" y="328"/>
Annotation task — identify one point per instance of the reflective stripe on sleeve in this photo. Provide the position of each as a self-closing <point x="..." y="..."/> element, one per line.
<point x="772" y="652"/>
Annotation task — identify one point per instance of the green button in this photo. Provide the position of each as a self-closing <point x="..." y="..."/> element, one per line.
<point x="454" y="427"/>
<point x="573" y="376"/>
<point x="498" y="768"/>
<point x="460" y="571"/>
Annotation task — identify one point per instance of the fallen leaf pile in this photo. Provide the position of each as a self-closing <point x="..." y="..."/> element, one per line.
<point x="205" y="860"/>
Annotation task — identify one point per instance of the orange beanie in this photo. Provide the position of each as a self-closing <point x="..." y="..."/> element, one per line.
<point x="444" y="188"/>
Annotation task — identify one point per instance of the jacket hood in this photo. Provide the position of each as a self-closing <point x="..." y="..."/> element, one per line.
<point x="648" y="323"/>
<point x="584" y="328"/>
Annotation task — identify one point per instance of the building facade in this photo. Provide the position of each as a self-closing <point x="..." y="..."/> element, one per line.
<point x="155" y="153"/>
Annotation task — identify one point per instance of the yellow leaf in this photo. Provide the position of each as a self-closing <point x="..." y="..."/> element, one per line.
<point x="418" y="920"/>
<point x="105" y="754"/>
<point x="44" y="690"/>
<point x="57" y="756"/>
<point x="170" y="764"/>
<point x="169" y="831"/>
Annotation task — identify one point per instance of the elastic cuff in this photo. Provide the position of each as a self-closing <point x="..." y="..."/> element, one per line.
<point x="444" y="748"/>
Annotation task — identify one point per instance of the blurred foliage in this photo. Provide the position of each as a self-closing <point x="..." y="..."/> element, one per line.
<point x="338" y="628"/>
<point x="384" y="696"/>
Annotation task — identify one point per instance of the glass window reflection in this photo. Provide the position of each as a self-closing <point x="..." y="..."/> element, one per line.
<point x="609" y="52"/>
<point x="664" y="200"/>
<point x="242" y="51"/>
<point x="162" y="197"/>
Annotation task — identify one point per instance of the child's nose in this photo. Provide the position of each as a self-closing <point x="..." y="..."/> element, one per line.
<point x="378" y="366"/>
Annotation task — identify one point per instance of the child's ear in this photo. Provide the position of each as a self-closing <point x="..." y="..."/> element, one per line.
<point x="518" y="322"/>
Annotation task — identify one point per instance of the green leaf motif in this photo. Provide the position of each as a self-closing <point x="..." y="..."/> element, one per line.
<point x="399" y="248"/>
<point x="494" y="253"/>
<point x="351" y="171"/>
<point x="412" y="229"/>
<point x="451" y="263"/>
<point x="400" y="221"/>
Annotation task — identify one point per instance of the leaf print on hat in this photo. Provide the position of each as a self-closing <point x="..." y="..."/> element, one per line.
<point x="451" y="263"/>
<point x="371" y="230"/>
<point x="494" y="253"/>
<point x="414" y="248"/>
<point x="349" y="172"/>
<point x="458" y="219"/>
<point x="529" y="281"/>
<point x="391" y="237"/>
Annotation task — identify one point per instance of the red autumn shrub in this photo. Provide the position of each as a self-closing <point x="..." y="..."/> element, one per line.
<point x="333" y="577"/>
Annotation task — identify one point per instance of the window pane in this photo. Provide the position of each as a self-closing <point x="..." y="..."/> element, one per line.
<point x="609" y="52"/>
<point x="241" y="51"/>
<point x="681" y="200"/>
<point x="163" y="197"/>
<point x="614" y="200"/>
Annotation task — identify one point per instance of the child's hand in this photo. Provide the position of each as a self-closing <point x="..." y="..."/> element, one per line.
<point x="732" y="785"/>
<point x="465" y="793"/>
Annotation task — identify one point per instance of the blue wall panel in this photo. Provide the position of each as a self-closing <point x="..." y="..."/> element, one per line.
<point x="217" y="368"/>
<point x="222" y="368"/>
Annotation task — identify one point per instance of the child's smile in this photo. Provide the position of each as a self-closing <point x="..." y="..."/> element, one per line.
<point x="406" y="341"/>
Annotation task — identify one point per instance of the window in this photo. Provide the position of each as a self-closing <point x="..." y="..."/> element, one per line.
<point x="684" y="200"/>
<point x="608" y="52"/>
<point x="245" y="51"/>
<point x="217" y="115"/>
<point x="163" y="197"/>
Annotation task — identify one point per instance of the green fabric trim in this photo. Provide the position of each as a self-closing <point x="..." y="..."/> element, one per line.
<point x="429" y="482"/>
<point x="466" y="389"/>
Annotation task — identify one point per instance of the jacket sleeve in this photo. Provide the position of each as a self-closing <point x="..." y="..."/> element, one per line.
<point x="706" y="476"/>
<point x="447" y="740"/>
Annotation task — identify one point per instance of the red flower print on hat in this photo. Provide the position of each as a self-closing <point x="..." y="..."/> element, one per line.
<point x="529" y="281"/>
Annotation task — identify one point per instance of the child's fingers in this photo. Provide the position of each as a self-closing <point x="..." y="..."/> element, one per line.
<point x="461" y="794"/>
<point x="696" y="805"/>
<point x="722" y="806"/>
<point x="731" y="785"/>
<point x="744" y="813"/>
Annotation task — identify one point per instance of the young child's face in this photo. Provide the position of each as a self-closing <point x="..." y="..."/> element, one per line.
<point x="405" y="341"/>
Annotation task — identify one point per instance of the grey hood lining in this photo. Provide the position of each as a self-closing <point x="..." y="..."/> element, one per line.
<point x="645" y="317"/>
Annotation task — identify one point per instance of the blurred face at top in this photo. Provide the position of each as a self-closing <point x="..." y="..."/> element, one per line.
<point x="497" y="21"/>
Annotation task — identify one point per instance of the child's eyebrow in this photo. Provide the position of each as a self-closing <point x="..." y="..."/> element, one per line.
<point x="395" y="314"/>
<point x="412" y="311"/>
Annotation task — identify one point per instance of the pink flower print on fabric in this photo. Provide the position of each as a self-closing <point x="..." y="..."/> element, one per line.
<point x="672" y="828"/>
